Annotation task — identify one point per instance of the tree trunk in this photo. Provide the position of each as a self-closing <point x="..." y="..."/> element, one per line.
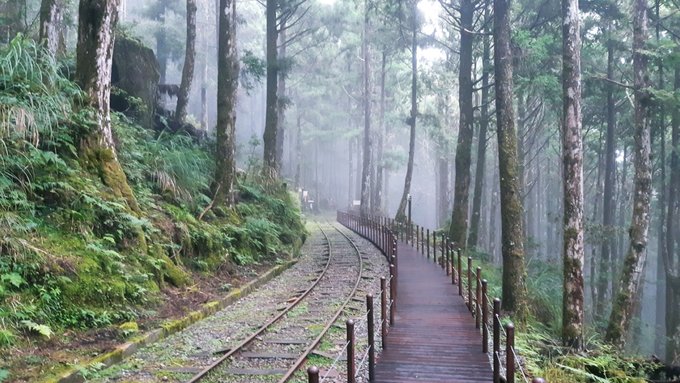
<point x="380" y="168"/>
<point x="271" y="164"/>
<point x="51" y="19"/>
<point x="281" y="104"/>
<point x="13" y="20"/>
<point x="227" y="85"/>
<point x="204" y="93"/>
<point x="609" y="207"/>
<point x="298" y="152"/>
<point x="623" y="201"/>
<point x="514" y="271"/>
<point x="350" y="191"/>
<point x="162" y="43"/>
<point x="366" y="165"/>
<point x="443" y="189"/>
<point x="481" y="141"/>
<point x="96" y="23"/>
<point x="401" y="211"/>
<point x="188" y="70"/>
<point x="572" y="163"/>
<point x="632" y="271"/>
<point x="661" y="236"/>
<point x="459" y="216"/>
<point x="672" y="259"/>
<point x="357" y="171"/>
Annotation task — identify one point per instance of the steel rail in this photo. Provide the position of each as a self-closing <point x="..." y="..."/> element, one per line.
<point x="316" y="342"/>
<point x="263" y="328"/>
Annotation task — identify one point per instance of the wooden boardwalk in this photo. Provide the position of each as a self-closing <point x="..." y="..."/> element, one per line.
<point x="434" y="337"/>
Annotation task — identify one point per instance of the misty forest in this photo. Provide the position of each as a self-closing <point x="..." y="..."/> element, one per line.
<point x="157" y="156"/>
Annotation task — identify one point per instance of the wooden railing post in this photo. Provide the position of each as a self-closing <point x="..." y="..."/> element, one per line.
<point x="444" y="241"/>
<point x="351" y="367"/>
<point x="434" y="246"/>
<point x="496" y="340"/>
<point x="422" y="240"/>
<point x="371" y="337"/>
<point x="446" y="267"/>
<point x="485" y="317"/>
<point x="313" y="375"/>
<point x="478" y="293"/>
<point x="469" y="283"/>
<point x="393" y="294"/>
<point x="460" y="274"/>
<point x="383" y="311"/>
<point x="428" y="243"/>
<point x="449" y="250"/>
<point x="417" y="238"/>
<point x="509" y="353"/>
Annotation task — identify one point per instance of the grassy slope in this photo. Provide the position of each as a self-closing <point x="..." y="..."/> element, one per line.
<point x="72" y="255"/>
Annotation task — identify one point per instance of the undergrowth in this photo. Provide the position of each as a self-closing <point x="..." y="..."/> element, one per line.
<point x="538" y="341"/>
<point x="74" y="256"/>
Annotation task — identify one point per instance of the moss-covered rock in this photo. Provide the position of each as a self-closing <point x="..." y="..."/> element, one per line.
<point x="135" y="70"/>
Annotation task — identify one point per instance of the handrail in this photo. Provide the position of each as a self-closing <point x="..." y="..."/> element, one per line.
<point x="383" y="233"/>
<point x="377" y="232"/>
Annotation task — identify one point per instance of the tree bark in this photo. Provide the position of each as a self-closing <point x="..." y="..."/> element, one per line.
<point x="672" y="259"/>
<point x="94" y="53"/>
<point x="514" y="271"/>
<point x="227" y="85"/>
<point x="481" y="140"/>
<point x="162" y="43"/>
<point x="633" y="266"/>
<point x="271" y="164"/>
<point x="572" y="165"/>
<point x="298" y="151"/>
<point x="189" y="62"/>
<point x="281" y="104"/>
<point x="401" y="211"/>
<point x="366" y="165"/>
<point x="662" y="195"/>
<point x="51" y="19"/>
<point x="609" y="206"/>
<point x="380" y="168"/>
<point x="443" y="189"/>
<point x="459" y="216"/>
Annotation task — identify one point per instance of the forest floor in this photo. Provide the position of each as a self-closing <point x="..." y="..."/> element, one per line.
<point x="29" y="362"/>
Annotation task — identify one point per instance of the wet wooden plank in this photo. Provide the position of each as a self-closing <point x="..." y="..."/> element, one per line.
<point x="434" y="338"/>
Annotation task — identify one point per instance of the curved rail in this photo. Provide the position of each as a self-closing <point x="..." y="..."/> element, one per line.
<point x="316" y="341"/>
<point x="264" y="327"/>
<point x="203" y="373"/>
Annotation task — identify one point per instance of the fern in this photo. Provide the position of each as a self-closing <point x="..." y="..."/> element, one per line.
<point x="41" y="329"/>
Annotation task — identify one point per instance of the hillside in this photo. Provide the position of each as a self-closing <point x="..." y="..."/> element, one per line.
<point x="76" y="255"/>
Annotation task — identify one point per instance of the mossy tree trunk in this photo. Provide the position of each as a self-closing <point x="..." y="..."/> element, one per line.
<point x="572" y="170"/>
<point x="51" y="19"/>
<point x="281" y="102"/>
<point x="609" y="206"/>
<point x="473" y="236"/>
<point x="377" y="203"/>
<point x="401" y="211"/>
<point x="634" y="261"/>
<point x="366" y="165"/>
<point x="514" y="272"/>
<point x="97" y="20"/>
<point x="189" y="62"/>
<point x="459" y="216"/>
<point x="672" y="259"/>
<point x="227" y="85"/>
<point x="270" y="162"/>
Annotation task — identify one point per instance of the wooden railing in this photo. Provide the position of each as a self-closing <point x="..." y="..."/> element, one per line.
<point x="384" y="239"/>
<point x="472" y="287"/>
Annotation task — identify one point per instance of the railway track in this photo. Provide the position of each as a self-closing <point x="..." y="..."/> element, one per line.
<point x="277" y="349"/>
